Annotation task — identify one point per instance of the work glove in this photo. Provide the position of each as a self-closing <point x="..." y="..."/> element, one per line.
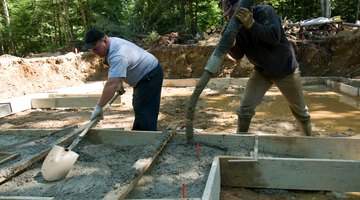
<point x="97" y="112"/>
<point x="245" y="16"/>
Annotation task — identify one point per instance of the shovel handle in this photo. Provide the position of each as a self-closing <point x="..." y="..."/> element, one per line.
<point x="94" y="121"/>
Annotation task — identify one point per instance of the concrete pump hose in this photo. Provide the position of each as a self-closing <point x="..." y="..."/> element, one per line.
<point x="192" y="103"/>
<point x="212" y="66"/>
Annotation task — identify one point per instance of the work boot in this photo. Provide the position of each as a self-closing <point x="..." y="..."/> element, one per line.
<point x="243" y="125"/>
<point x="305" y="127"/>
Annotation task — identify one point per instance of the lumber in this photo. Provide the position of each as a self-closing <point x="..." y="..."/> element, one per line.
<point x="5" y="109"/>
<point x="292" y="173"/>
<point x="25" y="198"/>
<point x="121" y="190"/>
<point x="213" y="183"/>
<point x="118" y="137"/>
<point x="67" y="101"/>
<point x="286" y="146"/>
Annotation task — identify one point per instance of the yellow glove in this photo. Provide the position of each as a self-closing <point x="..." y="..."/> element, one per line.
<point x="245" y="16"/>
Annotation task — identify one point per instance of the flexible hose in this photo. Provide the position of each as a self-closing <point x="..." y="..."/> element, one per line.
<point x="212" y="66"/>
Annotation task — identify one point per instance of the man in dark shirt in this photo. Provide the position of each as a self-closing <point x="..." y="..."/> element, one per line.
<point x="262" y="39"/>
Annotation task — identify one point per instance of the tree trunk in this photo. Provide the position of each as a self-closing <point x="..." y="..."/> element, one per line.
<point x="357" y="12"/>
<point x="192" y="16"/>
<point x="183" y="14"/>
<point x="7" y="33"/>
<point x="325" y="8"/>
<point x="84" y="14"/>
<point x="66" y="25"/>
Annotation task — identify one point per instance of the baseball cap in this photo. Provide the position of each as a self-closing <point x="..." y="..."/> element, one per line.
<point x="91" y="37"/>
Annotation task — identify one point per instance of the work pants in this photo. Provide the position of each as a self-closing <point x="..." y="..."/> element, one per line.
<point x="146" y="100"/>
<point x="290" y="87"/>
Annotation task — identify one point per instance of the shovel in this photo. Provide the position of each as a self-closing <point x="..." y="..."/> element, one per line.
<point x="60" y="160"/>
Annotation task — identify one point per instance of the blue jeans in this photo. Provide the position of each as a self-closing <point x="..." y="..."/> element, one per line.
<point x="146" y="100"/>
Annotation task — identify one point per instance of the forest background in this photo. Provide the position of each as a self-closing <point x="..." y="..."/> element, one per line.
<point x="35" y="26"/>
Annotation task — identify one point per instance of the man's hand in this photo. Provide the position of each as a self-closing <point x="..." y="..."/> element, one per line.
<point x="245" y="16"/>
<point x="97" y="112"/>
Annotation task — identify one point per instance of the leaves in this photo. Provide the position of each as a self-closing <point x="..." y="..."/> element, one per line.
<point x="39" y="25"/>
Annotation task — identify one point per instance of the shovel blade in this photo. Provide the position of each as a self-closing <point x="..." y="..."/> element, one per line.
<point x="58" y="163"/>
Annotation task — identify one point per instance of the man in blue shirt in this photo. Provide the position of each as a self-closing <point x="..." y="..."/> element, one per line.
<point x="262" y="40"/>
<point x="133" y="65"/>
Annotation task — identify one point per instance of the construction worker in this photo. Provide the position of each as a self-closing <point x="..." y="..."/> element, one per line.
<point x="262" y="39"/>
<point x="133" y="65"/>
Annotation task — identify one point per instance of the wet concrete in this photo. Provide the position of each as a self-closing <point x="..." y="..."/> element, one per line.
<point x="332" y="113"/>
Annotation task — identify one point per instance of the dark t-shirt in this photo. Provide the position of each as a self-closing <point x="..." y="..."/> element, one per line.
<point x="265" y="45"/>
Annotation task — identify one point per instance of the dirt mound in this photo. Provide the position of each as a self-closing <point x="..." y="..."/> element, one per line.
<point x="21" y="76"/>
<point x="336" y="56"/>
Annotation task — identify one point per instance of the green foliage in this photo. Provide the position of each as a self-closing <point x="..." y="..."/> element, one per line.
<point x="42" y="25"/>
<point x="151" y="38"/>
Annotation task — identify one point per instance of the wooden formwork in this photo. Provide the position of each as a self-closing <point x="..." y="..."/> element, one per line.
<point x="285" y="162"/>
<point x="87" y="95"/>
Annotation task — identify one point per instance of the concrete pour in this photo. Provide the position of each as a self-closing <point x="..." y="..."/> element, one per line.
<point x="178" y="164"/>
<point x="99" y="167"/>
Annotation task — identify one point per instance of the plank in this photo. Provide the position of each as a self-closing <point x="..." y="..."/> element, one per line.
<point x="29" y="131"/>
<point x="5" y="156"/>
<point x="5" y="109"/>
<point x="213" y="183"/>
<point x="286" y="146"/>
<point x="67" y="101"/>
<point x="25" y="198"/>
<point x="120" y="190"/>
<point x="118" y="137"/>
<point x="292" y="173"/>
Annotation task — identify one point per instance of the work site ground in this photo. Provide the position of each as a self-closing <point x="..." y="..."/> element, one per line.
<point x="44" y="98"/>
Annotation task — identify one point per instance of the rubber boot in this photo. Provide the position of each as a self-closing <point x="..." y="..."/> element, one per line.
<point x="243" y="125"/>
<point x="305" y="127"/>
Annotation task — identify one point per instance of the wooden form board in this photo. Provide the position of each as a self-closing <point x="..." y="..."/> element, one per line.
<point x="284" y="146"/>
<point x="63" y="101"/>
<point x="25" y="198"/>
<point x="287" y="146"/>
<point x="344" y="87"/>
<point x="5" y="156"/>
<point x="29" y="131"/>
<point x="321" y="163"/>
<point x="118" y="137"/>
<point x="213" y="183"/>
<point x="221" y="82"/>
<point x="292" y="173"/>
<point x="5" y="109"/>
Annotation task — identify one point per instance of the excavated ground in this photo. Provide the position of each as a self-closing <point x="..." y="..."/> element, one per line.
<point x="337" y="56"/>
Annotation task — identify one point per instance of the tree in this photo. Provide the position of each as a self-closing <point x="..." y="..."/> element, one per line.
<point x="6" y="36"/>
